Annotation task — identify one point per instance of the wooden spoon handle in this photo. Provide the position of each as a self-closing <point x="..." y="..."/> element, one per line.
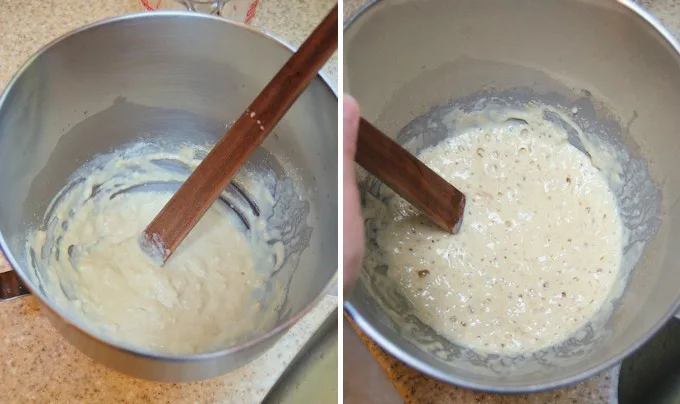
<point x="409" y="177"/>
<point x="199" y="191"/>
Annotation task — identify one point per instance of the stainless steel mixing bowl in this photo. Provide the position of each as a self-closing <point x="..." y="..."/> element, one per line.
<point x="166" y="77"/>
<point x="611" y="61"/>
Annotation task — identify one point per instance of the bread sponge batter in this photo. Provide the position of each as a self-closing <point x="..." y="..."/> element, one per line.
<point x="209" y="295"/>
<point x="539" y="248"/>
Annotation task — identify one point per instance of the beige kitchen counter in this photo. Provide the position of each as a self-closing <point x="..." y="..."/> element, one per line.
<point x="36" y="364"/>
<point x="415" y="387"/>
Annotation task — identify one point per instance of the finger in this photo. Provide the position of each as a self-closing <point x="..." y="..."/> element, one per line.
<point x="350" y="118"/>
<point x="353" y="232"/>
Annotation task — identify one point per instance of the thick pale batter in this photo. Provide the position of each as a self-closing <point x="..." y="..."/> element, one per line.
<point x="208" y="295"/>
<point x="538" y="252"/>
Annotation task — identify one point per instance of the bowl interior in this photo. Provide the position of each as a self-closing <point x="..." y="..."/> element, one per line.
<point x="603" y="58"/>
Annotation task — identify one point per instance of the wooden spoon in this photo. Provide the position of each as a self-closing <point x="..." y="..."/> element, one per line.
<point x="409" y="177"/>
<point x="167" y="230"/>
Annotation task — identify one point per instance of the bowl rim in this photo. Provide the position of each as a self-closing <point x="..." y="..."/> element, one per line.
<point x="392" y="348"/>
<point x="130" y="349"/>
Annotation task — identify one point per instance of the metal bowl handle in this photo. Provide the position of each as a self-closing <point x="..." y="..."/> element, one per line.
<point x="11" y="286"/>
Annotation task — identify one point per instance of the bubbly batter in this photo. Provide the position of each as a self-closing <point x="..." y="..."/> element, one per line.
<point x="539" y="248"/>
<point x="207" y="296"/>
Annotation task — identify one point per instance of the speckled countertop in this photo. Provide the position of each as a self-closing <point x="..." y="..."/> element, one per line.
<point x="36" y="364"/>
<point x="414" y="387"/>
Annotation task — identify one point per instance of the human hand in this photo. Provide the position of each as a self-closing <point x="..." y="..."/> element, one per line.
<point x="353" y="224"/>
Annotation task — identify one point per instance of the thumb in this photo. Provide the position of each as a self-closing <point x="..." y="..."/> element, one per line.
<point x="350" y="120"/>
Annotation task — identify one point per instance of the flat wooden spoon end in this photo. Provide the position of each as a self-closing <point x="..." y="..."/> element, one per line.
<point x="153" y="246"/>
<point x="409" y="177"/>
<point x="460" y="205"/>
